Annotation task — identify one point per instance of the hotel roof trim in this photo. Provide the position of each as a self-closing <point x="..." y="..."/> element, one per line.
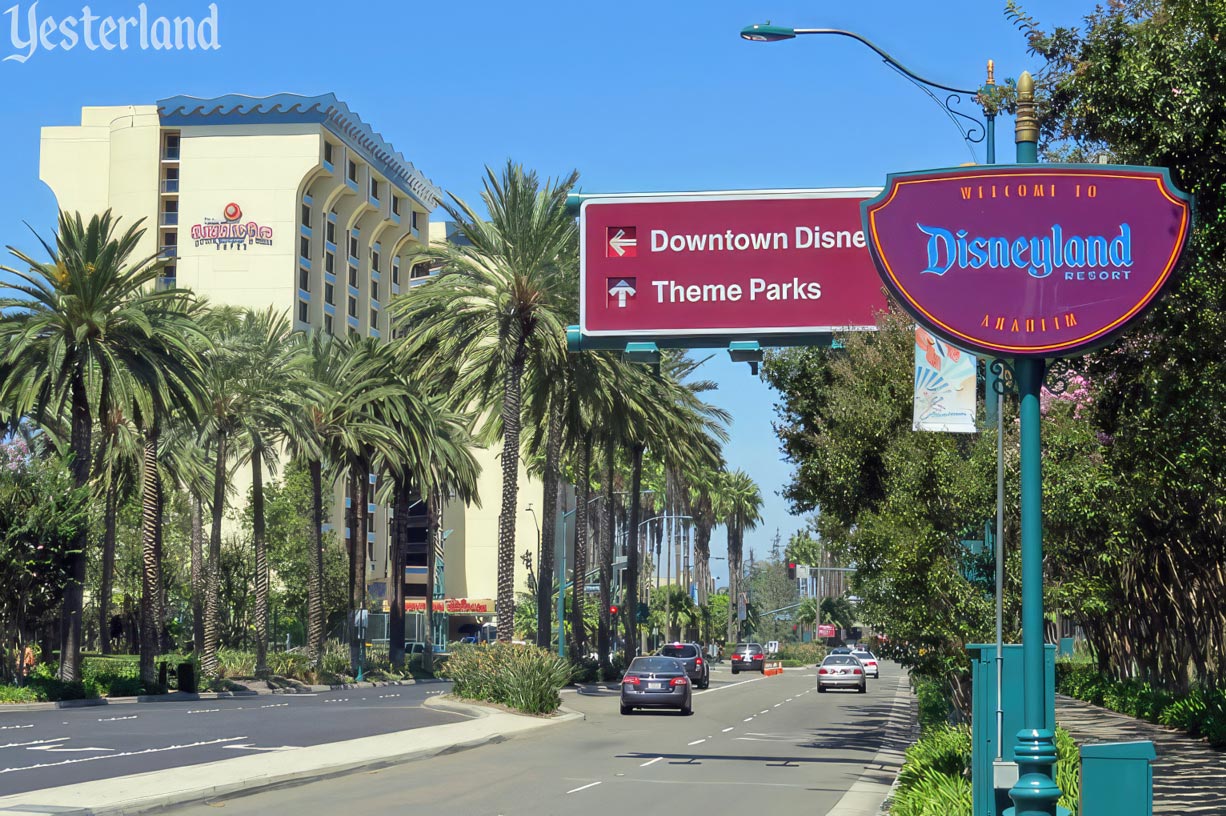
<point x="327" y="110"/>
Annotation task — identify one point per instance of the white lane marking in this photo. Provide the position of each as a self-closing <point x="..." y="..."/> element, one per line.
<point x="726" y="730"/>
<point x="58" y="749"/>
<point x="11" y="727"/>
<point x="651" y="762"/>
<point x="766" y="711"/>
<point x="585" y="787"/>
<point x="747" y="719"/>
<point x="788" y="700"/>
<point x="385" y="696"/>
<point x="696" y="742"/>
<point x="730" y="685"/>
<point x="776" y="705"/>
<point x="35" y="742"/>
<point x="204" y="711"/>
<point x="275" y="705"/>
<point x="341" y="700"/>
<point x="246" y="746"/>
<point x="116" y="756"/>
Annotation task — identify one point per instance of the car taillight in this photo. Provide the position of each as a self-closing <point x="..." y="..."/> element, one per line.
<point x="678" y="681"/>
<point x="634" y="681"/>
<point x="856" y="671"/>
<point x="758" y="657"/>
<point x="823" y="671"/>
<point x="698" y="661"/>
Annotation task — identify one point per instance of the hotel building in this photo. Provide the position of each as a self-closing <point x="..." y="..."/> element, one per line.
<point x="291" y="202"/>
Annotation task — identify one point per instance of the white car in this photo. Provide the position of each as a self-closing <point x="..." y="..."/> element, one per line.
<point x="870" y="662"/>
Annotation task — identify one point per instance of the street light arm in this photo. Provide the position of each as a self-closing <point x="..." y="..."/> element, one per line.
<point x="885" y="56"/>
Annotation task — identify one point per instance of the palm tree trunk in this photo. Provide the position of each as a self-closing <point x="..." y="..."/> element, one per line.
<point x="702" y="560"/>
<point x="632" y="553"/>
<point x="395" y="623"/>
<point x="357" y="560"/>
<point x="584" y="479"/>
<point x="315" y="567"/>
<point x="108" y="565"/>
<point x="151" y="579"/>
<point x="606" y="568"/>
<point x="433" y="516"/>
<point x="197" y="545"/>
<point x="261" y="564"/>
<point x="734" y="582"/>
<point x="212" y="571"/>
<point x="74" y="591"/>
<point x="504" y="604"/>
<point x="549" y="513"/>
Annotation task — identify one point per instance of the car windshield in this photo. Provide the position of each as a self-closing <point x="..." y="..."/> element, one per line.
<point x="654" y="665"/>
<point x="679" y="650"/>
<point x="743" y="648"/>
<point x="840" y="660"/>
<point x="864" y="655"/>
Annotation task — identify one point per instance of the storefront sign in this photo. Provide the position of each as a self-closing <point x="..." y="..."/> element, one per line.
<point x="230" y="231"/>
<point x="826" y="630"/>
<point x="453" y="606"/>
<point x="1028" y="260"/>
<point x="748" y="264"/>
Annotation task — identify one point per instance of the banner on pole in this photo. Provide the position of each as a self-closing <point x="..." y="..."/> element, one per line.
<point x="945" y="386"/>
<point x="826" y="630"/>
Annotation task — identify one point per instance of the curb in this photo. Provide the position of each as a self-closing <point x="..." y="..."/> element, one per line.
<point x="134" y="794"/>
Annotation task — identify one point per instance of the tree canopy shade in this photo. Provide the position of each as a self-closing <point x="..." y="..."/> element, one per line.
<point x="88" y="320"/>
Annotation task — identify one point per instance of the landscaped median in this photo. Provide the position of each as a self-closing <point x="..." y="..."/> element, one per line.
<point x="525" y="678"/>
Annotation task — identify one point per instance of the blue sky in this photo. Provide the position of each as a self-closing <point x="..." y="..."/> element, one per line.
<point x="638" y="96"/>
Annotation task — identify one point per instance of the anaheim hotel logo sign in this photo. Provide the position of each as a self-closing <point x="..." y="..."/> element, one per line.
<point x="754" y="263"/>
<point x="230" y="231"/>
<point x="1028" y="260"/>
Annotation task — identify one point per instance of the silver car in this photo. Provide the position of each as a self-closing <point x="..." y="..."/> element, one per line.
<point x="841" y="671"/>
<point x="656" y="682"/>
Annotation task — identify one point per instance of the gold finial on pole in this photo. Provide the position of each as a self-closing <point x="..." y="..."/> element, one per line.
<point x="1026" y="127"/>
<point x="991" y="72"/>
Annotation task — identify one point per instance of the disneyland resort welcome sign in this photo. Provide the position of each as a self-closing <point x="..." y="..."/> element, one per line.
<point x="1028" y="260"/>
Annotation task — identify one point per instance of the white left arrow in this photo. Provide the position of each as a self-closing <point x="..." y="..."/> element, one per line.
<point x="619" y="242"/>
<point x="57" y="748"/>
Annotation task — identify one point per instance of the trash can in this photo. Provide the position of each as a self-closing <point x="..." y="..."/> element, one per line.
<point x="187" y="677"/>
<point x="1117" y="778"/>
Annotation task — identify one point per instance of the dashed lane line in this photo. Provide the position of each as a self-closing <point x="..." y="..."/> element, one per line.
<point x="696" y="742"/>
<point x="584" y="787"/>
<point x="726" y="730"/>
<point x="117" y="719"/>
<point x="12" y="727"/>
<point x="124" y="754"/>
<point x="651" y="762"/>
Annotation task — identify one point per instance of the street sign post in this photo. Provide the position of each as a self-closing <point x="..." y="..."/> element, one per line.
<point x="780" y="267"/>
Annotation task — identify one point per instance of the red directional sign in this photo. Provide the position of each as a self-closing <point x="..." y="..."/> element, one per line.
<point x="737" y="264"/>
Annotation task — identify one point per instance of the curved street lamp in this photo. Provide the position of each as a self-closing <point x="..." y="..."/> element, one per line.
<point x="976" y="133"/>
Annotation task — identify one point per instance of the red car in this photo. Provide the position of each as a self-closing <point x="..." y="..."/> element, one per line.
<point x="748" y="657"/>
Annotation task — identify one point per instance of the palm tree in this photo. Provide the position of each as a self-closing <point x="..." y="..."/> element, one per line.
<point x="272" y="386"/>
<point x="739" y="507"/>
<point x="495" y="304"/>
<point x="117" y="465"/>
<point x="89" y="313"/>
<point x="701" y="502"/>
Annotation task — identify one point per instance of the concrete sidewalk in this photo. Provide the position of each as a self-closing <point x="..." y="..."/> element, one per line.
<point x="1189" y="776"/>
<point x="195" y="783"/>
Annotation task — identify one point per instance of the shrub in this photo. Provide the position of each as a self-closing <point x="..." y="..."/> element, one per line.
<point x="289" y="664"/>
<point x="17" y="694"/>
<point x="1068" y="770"/>
<point x="806" y="653"/>
<point x="523" y="677"/>
<point x="336" y="658"/>
<point x="935" y="705"/>
<point x="934" y="778"/>
<point x="585" y="670"/>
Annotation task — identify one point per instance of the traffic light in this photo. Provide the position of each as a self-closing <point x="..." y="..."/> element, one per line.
<point x="613" y="609"/>
<point x="791" y="571"/>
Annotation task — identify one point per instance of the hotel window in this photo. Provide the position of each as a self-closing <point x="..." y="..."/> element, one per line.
<point x="170" y="244"/>
<point x="353" y="277"/>
<point x="374" y="260"/>
<point x="330" y="294"/>
<point x="170" y="212"/>
<point x="328" y="324"/>
<point x="396" y="204"/>
<point x="330" y="231"/>
<point x="413" y="219"/>
<point x="306" y="215"/>
<point x="353" y="245"/>
<point x="353" y="306"/>
<point x="374" y="290"/>
<point x="374" y="189"/>
<point x="353" y="332"/>
<point x="396" y="271"/>
<point x="328" y="151"/>
<point x="302" y="311"/>
<point x="420" y="270"/>
<point x="304" y="247"/>
<point x="304" y="279"/>
<point x="374" y="319"/>
<point x="170" y="184"/>
<point x="170" y="147"/>
<point x="353" y="170"/>
<point x="330" y="263"/>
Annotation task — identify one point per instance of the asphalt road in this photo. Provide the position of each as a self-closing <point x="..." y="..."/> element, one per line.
<point x="43" y="749"/>
<point x="754" y="744"/>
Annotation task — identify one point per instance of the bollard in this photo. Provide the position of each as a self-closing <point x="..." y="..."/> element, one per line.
<point x="187" y="677"/>
<point x="163" y="670"/>
<point x="1117" y="778"/>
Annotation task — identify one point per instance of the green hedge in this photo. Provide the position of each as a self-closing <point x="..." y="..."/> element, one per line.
<point x="1201" y="712"/>
<point x="523" y="677"/>
<point x="805" y="653"/>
